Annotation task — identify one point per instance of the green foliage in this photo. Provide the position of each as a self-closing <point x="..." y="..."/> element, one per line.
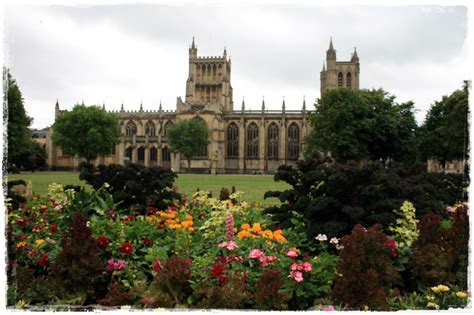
<point x="188" y="137"/>
<point x="444" y="134"/>
<point x="133" y="185"/>
<point x="366" y="270"/>
<point x="18" y="122"/>
<point x="363" y="124"/>
<point x="404" y="230"/>
<point x="33" y="158"/>
<point x="86" y="131"/>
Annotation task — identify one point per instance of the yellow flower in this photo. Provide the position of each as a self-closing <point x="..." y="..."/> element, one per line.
<point x="39" y="242"/>
<point x="267" y="234"/>
<point x="21" y="244"/>
<point x="440" y="288"/>
<point x="432" y="305"/>
<point x="461" y="294"/>
<point x="296" y="250"/>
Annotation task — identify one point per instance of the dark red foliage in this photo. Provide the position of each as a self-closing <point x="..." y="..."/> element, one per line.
<point x="267" y="295"/>
<point x="102" y="241"/>
<point x="147" y="242"/>
<point x="218" y="272"/>
<point x="117" y="296"/>
<point x="22" y="222"/>
<point x="126" y="248"/>
<point x="174" y="276"/>
<point x="53" y="228"/>
<point x="366" y="268"/>
<point x="44" y="260"/>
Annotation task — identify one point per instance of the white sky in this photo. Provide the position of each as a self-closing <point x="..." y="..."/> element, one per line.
<point x="139" y="52"/>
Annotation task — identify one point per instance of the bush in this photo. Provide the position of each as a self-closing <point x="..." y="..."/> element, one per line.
<point x="334" y="197"/>
<point x="133" y="185"/>
<point x="173" y="278"/>
<point x="366" y="269"/>
<point x="268" y="295"/>
<point x="231" y="295"/>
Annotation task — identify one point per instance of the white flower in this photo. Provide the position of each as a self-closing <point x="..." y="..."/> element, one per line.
<point x="321" y="237"/>
<point x="334" y="240"/>
<point x="339" y="247"/>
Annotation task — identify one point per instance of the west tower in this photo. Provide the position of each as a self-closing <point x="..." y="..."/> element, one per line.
<point x="336" y="74"/>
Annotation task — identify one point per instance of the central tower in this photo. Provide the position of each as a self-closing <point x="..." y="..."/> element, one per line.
<point x="208" y="84"/>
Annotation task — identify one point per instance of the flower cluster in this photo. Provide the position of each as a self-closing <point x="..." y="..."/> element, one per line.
<point x="126" y="248"/>
<point x="262" y="258"/>
<point x="116" y="265"/>
<point x="173" y="219"/>
<point x="257" y="231"/>
<point x="392" y="245"/>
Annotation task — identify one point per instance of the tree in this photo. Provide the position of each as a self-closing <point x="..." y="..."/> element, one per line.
<point x="18" y="122"/>
<point x="444" y="134"/>
<point x="363" y="125"/>
<point x="188" y="137"/>
<point x="34" y="158"/>
<point x="85" y="131"/>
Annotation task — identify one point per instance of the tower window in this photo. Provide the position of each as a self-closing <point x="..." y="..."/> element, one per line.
<point x="293" y="141"/>
<point x="131" y="128"/>
<point x="340" y="80"/>
<point x="349" y="80"/>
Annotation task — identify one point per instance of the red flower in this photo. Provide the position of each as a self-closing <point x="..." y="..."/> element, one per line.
<point x="111" y="214"/>
<point x="43" y="261"/>
<point x="157" y="265"/>
<point x="102" y="241"/>
<point x="222" y="260"/>
<point x="217" y="271"/>
<point x="126" y="248"/>
<point x="392" y="245"/>
<point x="53" y="228"/>
<point x="23" y="222"/>
<point x="148" y="242"/>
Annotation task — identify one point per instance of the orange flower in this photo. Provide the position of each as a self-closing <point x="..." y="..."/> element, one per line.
<point x="256" y="228"/>
<point x="245" y="226"/>
<point x="189" y="217"/>
<point x="21" y="244"/>
<point x="187" y="223"/>
<point x="191" y="229"/>
<point x="279" y="238"/>
<point x="267" y="234"/>
<point x="243" y="234"/>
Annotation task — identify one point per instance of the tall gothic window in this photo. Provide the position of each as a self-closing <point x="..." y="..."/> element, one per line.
<point x="131" y="128"/>
<point x="141" y="154"/>
<point x="165" y="153"/>
<point x="150" y="129"/>
<point x="129" y="154"/>
<point x="273" y="141"/>
<point x="349" y="80"/>
<point x="252" y="141"/>
<point x="153" y="154"/>
<point x="214" y="71"/>
<point x="340" y="80"/>
<point x="232" y="141"/>
<point x="293" y="141"/>
<point x="167" y="125"/>
<point x="203" y="70"/>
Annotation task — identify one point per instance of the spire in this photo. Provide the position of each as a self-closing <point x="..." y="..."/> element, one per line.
<point x="324" y="66"/>
<point x="355" y="57"/>
<point x="103" y="105"/>
<point x="193" y="46"/>
<point x="161" y="108"/>
<point x="243" y="104"/>
<point x="141" y="106"/>
<point x="57" y="103"/>
<point x="225" y="52"/>
<point x="263" y="104"/>
<point x="82" y="102"/>
<point x="304" y="103"/>
<point x="283" y="107"/>
<point x="330" y="44"/>
<point x="56" y="108"/>
<point x="121" y="108"/>
<point x="193" y="50"/>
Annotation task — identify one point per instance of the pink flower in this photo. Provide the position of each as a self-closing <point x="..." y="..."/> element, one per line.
<point x="298" y="276"/>
<point x="256" y="253"/>
<point x="116" y="265"/>
<point x="229" y="227"/>
<point x="292" y="253"/>
<point x="229" y="245"/>
<point x="392" y="245"/>
<point x="307" y="267"/>
<point x="294" y="266"/>
<point x="330" y="308"/>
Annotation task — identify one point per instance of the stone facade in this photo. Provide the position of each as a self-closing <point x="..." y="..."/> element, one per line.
<point x="242" y="141"/>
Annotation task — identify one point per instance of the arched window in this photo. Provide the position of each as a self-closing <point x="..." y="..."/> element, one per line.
<point x="165" y="152"/>
<point x="131" y="128"/>
<point x="340" y="80"/>
<point x="203" y="70"/>
<point x="141" y="154"/>
<point x="153" y="154"/>
<point x="293" y="141"/>
<point x="129" y="154"/>
<point x="214" y="71"/>
<point x="167" y="125"/>
<point x="349" y="80"/>
<point x="252" y="141"/>
<point x="232" y="141"/>
<point x="202" y="153"/>
<point x="150" y="129"/>
<point x="272" y="141"/>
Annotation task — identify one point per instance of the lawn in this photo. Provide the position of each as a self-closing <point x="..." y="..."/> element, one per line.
<point x="253" y="186"/>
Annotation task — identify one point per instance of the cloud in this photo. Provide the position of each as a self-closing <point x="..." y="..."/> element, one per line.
<point x="139" y="53"/>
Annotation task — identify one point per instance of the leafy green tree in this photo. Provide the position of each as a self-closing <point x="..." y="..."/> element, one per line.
<point x="86" y="131"/>
<point x="18" y="122"/>
<point x="444" y="134"/>
<point x="188" y="137"/>
<point x="34" y="157"/>
<point x="363" y="125"/>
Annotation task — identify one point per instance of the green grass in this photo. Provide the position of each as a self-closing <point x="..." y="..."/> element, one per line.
<point x="253" y="186"/>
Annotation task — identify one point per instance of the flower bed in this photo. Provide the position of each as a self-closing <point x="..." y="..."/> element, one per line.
<point x="201" y="253"/>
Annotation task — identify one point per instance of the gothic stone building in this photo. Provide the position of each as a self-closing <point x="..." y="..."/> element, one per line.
<point x="242" y="141"/>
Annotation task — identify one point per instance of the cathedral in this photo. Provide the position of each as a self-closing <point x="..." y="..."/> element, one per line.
<point x="242" y="141"/>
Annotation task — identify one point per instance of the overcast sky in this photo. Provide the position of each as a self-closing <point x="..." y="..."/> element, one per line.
<point x="139" y="52"/>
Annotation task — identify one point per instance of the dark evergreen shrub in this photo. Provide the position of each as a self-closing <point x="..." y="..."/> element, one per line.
<point x="365" y="268"/>
<point x="133" y="185"/>
<point x="334" y="197"/>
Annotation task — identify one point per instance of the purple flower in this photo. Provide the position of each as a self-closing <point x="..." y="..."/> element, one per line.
<point x="119" y="265"/>
<point x="229" y="227"/>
